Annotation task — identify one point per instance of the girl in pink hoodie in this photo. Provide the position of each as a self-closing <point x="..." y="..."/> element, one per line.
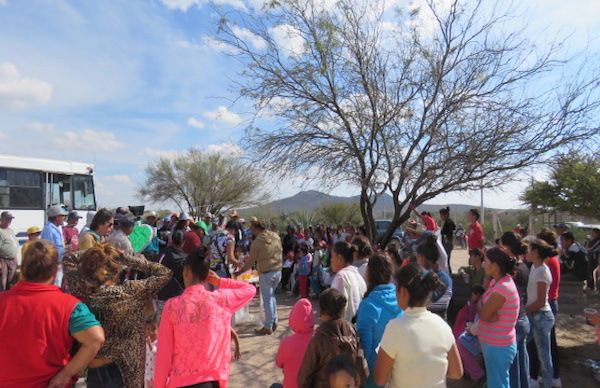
<point x="292" y="348"/>
<point x="194" y="343"/>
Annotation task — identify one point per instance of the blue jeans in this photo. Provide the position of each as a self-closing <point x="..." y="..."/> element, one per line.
<point x="541" y="324"/>
<point x="553" y="343"/>
<point x="497" y="364"/>
<point x="519" y="370"/>
<point x="268" y="283"/>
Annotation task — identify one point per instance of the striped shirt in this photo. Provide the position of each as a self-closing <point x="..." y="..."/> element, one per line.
<point x="502" y="331"/>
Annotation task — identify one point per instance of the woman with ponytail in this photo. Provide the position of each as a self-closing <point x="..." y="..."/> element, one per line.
<point x="417" y="349"/>
<point x="377" y="308"/>
<point x="428" y="258"/>
<point x="362" y="252"/>
<point x="347" y="280"/>
<point x="541" y="317"/>
<point x="498" y="317"/>
<point x="519" y="370"/>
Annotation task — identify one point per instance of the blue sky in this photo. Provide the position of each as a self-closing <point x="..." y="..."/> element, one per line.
<point x="119" y="83"/>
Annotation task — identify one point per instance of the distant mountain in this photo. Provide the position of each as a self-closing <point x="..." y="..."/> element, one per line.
<point x="312" y="199"/>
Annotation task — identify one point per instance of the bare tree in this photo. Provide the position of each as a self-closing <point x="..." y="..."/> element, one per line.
<point x="394" y="105"/>
<point x="200" y="182"/>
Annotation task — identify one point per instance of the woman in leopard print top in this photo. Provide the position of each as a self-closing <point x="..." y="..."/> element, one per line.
<point x="92" y="276"/>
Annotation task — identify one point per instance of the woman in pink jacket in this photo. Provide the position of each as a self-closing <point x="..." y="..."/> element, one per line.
<point x="194" y="341"/>
<point x="291" y="349"/>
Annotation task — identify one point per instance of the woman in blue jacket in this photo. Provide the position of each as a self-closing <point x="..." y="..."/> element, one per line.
<point x="378" y="307"/>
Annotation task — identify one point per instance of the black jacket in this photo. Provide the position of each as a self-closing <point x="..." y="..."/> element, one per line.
<point x="173" y="259"/>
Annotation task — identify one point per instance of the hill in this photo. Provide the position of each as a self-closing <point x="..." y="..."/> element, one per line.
<point x="312" y="199"/>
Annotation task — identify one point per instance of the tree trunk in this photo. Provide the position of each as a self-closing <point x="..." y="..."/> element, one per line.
<point x="366" y="210"/>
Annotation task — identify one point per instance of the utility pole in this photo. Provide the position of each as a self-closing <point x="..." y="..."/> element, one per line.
<point x="482" y="211"/>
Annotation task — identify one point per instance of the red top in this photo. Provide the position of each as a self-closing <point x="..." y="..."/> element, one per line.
<point x="191" y="242"/>
<point x="430" y="223"/>
<point x="475" y="236"/>
<point x="34" y="333"/>
<point x="554" y="266"/>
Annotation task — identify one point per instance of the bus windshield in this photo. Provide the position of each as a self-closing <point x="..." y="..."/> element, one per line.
<point x="83" y="192"/>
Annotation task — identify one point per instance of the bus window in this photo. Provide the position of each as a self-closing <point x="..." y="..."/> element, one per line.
<point x="83" y="192"/>
<point x="20" y="189"/>
<point x="60" y="190"/>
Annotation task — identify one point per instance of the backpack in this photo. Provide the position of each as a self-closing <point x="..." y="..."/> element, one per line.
<point x="218" y="258"/>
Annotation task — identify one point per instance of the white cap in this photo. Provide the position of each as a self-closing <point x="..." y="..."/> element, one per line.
<point x="56" y="210"/>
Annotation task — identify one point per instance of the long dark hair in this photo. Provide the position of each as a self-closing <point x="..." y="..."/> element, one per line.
<point x="101" y="217"/>
<point x="393" y="249"/>
<point x="514" y="243"/>
<point x="345" y="250"/>
<point x="419" y="283"/>
<point x="543" y="249"/>
<point x="506" y="263"/>
<point x="362" y="246"/>
<point x="379" y="271"/>
<point x="429" y="250"/>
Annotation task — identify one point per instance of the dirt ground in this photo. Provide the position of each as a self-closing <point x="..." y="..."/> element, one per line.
<point x="576" y="341"/>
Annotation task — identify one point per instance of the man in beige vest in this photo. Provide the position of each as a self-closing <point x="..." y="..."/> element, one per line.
<point x="267" y="253"/>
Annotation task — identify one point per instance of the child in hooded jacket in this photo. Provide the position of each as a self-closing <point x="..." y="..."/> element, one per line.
<point x="291" y="349"/>
<point x="335" y="336"/>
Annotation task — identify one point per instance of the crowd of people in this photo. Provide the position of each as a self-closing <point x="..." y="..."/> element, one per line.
<point x="160" y="313"/>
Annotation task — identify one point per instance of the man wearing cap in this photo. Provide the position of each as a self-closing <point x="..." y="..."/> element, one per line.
<point x="70" y="232"/>
<point x="119" y="238"/>
<point x="8" y="250"/>
<point x="53" y="229"/>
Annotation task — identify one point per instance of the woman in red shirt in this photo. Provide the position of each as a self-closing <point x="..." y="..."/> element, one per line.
<point x="427" y="219"/>
<point x="475" y="238"/>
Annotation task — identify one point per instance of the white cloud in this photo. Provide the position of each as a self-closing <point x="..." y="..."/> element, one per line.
<point x="249" y="37"/>
<point x="3" y="2"/>
<point x="89" y="140"/>
<point x="181" y="5"/>
<point x="184" y="5"/>
<point x="225" y="148"/>
<point x="195" y="123"/>
<point x="224" y="115"/>
<point x="18" y="92"/>
<point x="217" y="45"/>
<point x="288" y="39"/>
<point x="41" y="128"/>
<point x="186" y="44"/>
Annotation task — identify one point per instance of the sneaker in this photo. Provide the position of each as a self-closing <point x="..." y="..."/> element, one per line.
<point x="274" y="328"/>
<point x="556" y="383"/>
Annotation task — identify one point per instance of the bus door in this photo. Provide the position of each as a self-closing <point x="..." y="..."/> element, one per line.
<point x="59" y="190"/>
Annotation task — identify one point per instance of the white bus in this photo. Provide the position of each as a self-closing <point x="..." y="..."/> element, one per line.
<point x="28" y="186"/>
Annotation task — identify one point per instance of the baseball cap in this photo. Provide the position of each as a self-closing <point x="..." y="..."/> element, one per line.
<point x="33" y="230"/>
<point x="184" y="217"/>
<point x="6" y="214"/>
<point x="56" y="210"/>
<point x="73" y="214"/>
